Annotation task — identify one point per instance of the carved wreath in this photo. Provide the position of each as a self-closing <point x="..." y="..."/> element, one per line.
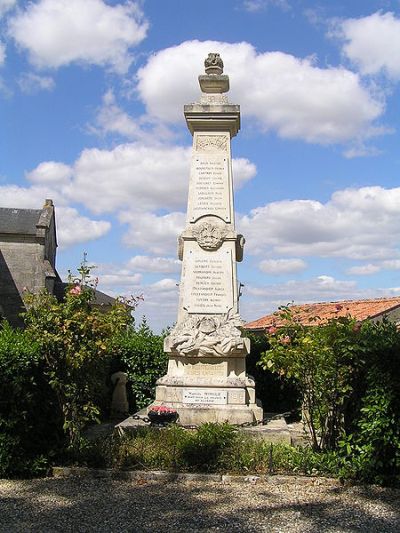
<point x="209" y="236"/>
<point x="206" y="336"/>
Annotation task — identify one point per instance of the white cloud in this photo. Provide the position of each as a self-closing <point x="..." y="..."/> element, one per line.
<point x="155" y="234"/>
<point x="160" y="302"/>
<point x="112" y="119"/>
<point x="28" y="197"/>
<point x="56" y="33"/>
<point x="364" y="270"/>
<point x="355" y="223"/>
<point x="243" y="171"/>
<point x="261" y="301"/>
<point x="255" y="6"/>
<point x="393" y="264"/>
<point x="276" y="267"/>
<point x="31" y="83"/>
<point x="155" y="264"/>
<point x="51" y="173"/>
<point x="372" y="43"/>
<point x="2" y="53"/>
<point x="283" y="93"/>
<point x="6" y="5"/>
<point x="132" y="175"/>
<point x="73" y="228"/>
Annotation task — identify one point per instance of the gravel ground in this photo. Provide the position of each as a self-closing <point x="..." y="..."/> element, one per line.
<point x="277" y="504"/>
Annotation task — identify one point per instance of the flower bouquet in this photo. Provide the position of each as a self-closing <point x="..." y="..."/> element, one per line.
<point x="160" y="415"/>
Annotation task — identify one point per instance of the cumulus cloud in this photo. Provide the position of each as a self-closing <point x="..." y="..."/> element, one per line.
<point x="50" y="172"/>
<point x="112" y="119"/>
<point x="160" y="299"/>
<point x="147" y="263"/>
<point x="276" y="267"/>
<point x="372" y="43"/>
<point x="289" y="95"/>
<point x="155" y="234"/>
<point x="72" y="228"/>
<point x="6" y="5"/>
<point x="255" y="6"/>
<point x="133" y="175"/>
<point x="56" y="33"/>
<point x="2" y="53"/>
<point x="364" y="270"/>
<point x="393" y="264"/>
<point x="30" y="83"/>
<point x="354" y="223"/>
<point x="261" y="301"/>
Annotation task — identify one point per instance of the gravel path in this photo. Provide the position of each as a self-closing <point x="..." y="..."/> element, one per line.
<point x="281" y="504"/>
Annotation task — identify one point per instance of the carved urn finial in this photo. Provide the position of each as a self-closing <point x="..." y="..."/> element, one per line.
<point x="214" y="64"/>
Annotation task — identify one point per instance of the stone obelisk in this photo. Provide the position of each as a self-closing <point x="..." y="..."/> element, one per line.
<point x="206" y="379"/>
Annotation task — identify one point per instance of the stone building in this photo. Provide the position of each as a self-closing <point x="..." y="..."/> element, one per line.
<point x="28" y="246"/>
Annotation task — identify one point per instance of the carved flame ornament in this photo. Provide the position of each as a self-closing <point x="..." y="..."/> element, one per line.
<point x="214" y="64"/>
<point x="209" y="236"/>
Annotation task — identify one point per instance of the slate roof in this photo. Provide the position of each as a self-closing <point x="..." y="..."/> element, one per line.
<point x="358" y="309"/>
<point x="19" y="221"/>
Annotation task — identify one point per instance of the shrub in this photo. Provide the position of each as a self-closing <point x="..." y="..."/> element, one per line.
<point x="276" y="394"/>
<point x="139" y="353"/>
<point x="29" y="418"/>
<point x="74" y="340"/>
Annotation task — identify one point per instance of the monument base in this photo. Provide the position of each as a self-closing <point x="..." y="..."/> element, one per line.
<point x="204" y="399"/>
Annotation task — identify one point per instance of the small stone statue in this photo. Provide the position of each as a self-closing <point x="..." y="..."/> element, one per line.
<point x="214" y="64"/>
<point x="119" y="402"/>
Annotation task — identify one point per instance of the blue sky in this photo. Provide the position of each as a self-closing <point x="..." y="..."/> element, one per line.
<point x="91" y="115"/>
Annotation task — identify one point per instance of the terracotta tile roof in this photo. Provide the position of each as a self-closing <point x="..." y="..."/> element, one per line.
<point x="359" y="309"/>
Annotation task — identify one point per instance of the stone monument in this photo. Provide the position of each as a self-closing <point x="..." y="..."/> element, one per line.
<point x="206" y="379"/>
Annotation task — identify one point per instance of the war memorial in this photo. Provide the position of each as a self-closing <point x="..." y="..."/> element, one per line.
<point x="206" y="379"/>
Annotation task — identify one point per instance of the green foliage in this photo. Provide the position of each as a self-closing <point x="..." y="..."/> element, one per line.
<point x="323" y="361"/>
<point x="29" y="423"/>
<point x="348" y="375"/>
<point x="139" y="353"/>
<point x="74" y="340"/>
<point x="210" y="448"/>
<point x="277" y="395"/>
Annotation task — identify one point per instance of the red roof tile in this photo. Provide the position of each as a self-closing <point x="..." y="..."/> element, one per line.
<point x="358" y="309"/>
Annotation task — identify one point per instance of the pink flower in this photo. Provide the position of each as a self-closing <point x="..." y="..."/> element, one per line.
<point x="285" y="340"/>
<point x="76" y="290"/>
<point x="272" y="330"/>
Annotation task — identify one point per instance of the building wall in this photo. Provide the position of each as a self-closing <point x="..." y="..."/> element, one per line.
<point x="21" y="266"/>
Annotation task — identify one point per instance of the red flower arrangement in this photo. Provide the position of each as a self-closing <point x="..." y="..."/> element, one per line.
<point x="160" y="415"/>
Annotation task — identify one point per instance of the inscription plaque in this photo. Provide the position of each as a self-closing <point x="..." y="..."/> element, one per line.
<point x="208" y="281"/>
<point x="205" y="396"/>
<point x="209" y="188"/>
<point x="206" y="369"/>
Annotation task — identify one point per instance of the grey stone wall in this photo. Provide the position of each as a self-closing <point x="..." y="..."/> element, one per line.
<point x="21" y="266"/>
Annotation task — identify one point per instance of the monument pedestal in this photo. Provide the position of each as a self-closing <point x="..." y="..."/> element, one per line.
<point x="206" y="379"/>
<point x="209" y="390"/>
